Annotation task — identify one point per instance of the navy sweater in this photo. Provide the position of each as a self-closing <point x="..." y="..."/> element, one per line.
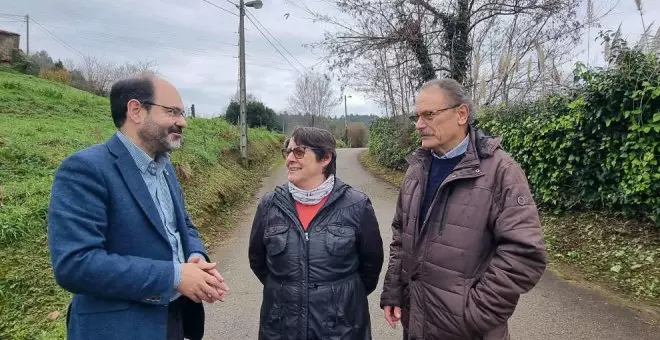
<point x="440" y="169"/>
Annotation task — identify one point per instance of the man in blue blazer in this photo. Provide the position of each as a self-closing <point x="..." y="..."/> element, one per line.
<point x="118" y="232"/>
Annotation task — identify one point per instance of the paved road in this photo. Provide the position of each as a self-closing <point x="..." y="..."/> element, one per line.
<point x="553" y="310"/>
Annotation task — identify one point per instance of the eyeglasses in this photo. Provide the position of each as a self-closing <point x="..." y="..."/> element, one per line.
<point x="298" y="151"/>
<point x="172" y="111"/>
<point x="428" y="115"/>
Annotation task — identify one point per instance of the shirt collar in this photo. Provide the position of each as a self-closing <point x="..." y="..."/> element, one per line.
<point x="143" y="161"/>
<point x="455" y="152"/>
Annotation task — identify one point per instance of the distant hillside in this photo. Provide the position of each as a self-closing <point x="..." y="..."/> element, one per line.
<point x="43" y="122"/>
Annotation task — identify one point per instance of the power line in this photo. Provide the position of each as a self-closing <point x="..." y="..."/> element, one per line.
<point x="275" y="47"/>
<point x="137" y="42"/>
<point x="124" y="38"/>
<point x="57" y="38"/>
<point x="11" y="15"/>
<point x="274" y="38"/>
<point x="220" y="8"/>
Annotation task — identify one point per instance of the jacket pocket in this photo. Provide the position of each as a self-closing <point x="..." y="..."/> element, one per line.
<point x="276" y="238"/>
<point x="340" y="240"/>
<point x="272" y="325"/>
<point x="469" y="328"/>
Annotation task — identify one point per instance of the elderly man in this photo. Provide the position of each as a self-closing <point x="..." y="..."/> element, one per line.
<point x="467" y="238"/>
<point x="118" y="231"/>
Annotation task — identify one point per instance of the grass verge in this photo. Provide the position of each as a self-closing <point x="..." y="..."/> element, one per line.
<point x="43" y="122"/>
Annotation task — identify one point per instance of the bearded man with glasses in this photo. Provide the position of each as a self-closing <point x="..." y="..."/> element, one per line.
<point x="467" y="238"/>
<point x="118" y="232"/>
<point x="316" y="247"/>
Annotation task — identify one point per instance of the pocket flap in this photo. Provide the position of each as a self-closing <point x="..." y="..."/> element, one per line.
<point x="274" y="230"/>
<point x="340" y="231"/>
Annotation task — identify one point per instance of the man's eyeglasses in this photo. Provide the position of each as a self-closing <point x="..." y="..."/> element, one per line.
<point x="428" y="115"/>
<point x="298" y="151"/>
<point x="172" y="111"/>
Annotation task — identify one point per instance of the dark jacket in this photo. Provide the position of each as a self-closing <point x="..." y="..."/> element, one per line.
<point x="316" y="282"/>
<point x="480" y="247"/>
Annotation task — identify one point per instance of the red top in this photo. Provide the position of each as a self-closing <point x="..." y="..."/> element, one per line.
<point x="307" y="212"/>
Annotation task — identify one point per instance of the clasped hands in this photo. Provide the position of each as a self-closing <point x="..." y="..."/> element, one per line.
<point x="200" y="281"/>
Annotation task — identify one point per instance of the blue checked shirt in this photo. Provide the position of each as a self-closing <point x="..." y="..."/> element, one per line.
<point x="153" y="174"/>
<point x="457" y="151"/>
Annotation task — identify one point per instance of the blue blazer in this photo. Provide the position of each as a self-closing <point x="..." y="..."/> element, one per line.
<point x="110" y="249"/>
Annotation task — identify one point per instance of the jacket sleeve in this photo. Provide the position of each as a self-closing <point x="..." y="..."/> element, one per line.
<point x="520" y="255"/>
<point x="392" y="288"/>
<point x="77" y="228"/>
<point x="257" y="248"/>
<point x="370" y="248"/>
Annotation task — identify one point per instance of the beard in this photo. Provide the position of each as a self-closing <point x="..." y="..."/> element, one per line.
<point x="156" y="137"/>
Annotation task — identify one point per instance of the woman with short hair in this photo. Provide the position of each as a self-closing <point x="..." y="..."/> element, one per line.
<point x="316" y="246"/>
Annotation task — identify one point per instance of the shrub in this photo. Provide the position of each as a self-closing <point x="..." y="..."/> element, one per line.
<point x="595" y="148"/>
<point x="57" y="75"/>
<point x="391" y="141"/>
<point x="357" y="135"/>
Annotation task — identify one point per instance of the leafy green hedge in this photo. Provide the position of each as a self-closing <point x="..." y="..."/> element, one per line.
<point x="597" y="147"/>
<point x="391" y="140"/>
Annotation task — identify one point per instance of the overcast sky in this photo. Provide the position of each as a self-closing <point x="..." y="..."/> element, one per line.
<point x="194" y="44"/>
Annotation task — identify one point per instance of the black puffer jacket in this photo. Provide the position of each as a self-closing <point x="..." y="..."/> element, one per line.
<point x="316" y="282"/>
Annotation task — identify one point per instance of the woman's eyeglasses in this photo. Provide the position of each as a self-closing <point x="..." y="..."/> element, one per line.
<point x="298" y="151"/>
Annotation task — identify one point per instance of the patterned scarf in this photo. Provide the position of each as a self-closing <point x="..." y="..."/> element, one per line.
<point x="314" y="196"/>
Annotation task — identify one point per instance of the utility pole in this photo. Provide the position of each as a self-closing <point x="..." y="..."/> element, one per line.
<point x="241" y="57"/>
<point x="27" y="35"/>
<point x="256" y="4"/>
<point x="346" y="122"/>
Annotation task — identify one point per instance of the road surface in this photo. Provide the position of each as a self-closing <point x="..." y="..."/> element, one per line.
<point x="553" y="310"/>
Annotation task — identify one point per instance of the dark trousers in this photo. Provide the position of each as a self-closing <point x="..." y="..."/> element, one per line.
<point x="175" y="320"/>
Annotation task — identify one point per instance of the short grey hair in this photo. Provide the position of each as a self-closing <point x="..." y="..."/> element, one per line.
<point x="455" y="92"/>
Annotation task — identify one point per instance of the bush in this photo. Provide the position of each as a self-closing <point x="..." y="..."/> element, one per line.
<point x="21" y="63"/>
<point x="391" y="141"/>
<point x="57" y="75"/>
<point x="357" y="135"/>
<point x="595" y="148"/>
<point x="258" y="115"/>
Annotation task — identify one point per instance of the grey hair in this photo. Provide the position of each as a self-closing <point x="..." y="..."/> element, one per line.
<point x="455" y="92"/>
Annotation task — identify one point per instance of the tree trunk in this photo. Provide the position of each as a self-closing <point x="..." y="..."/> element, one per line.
<point x="421" y="51"/>
<point x="458" y="35"/>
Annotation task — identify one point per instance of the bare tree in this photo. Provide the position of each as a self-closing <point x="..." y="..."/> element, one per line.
<point x="504" y="50"/>
<point x="313" y="96"/>
<point x="100" y="74"/>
